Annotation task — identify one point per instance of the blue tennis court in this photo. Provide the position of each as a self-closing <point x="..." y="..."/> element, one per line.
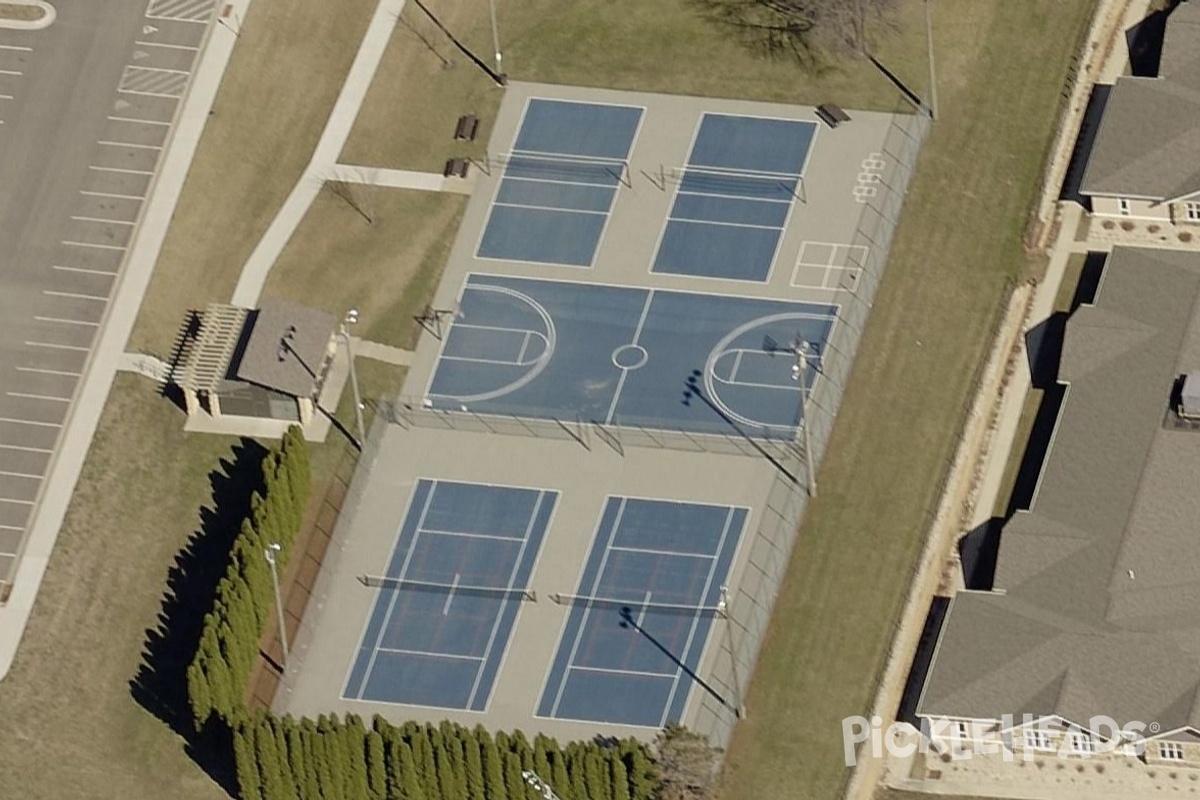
<point x="617" y="355"/>
<point x="643" y="612"/>
<point x="450" y="596"/>
<point x="734" y="197"/>
<point x="559" y="182"/>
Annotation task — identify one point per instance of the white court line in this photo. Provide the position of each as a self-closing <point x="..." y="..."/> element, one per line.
<point x="110" y="194"/>
<point x="172" y="46"/>
<point x="16" y="47"/>
<point x="58" y="346"/>
<point x="25" y="449"/>
<point x="119" y="169"/>
<point x="552" y="208"/>
<point x="470" y="535"/>
<point x="661" y="552"/>
<point x="775" y="228"/>
<point x="97" y="246"/>
<point x="639" y="673"/>
<point x="128" y="144"/>
<point x="28" y="396"/>
<point x="427" y="653"/>
<point x="450" y="596"/>
<point x="31" y="422"/>
<point x="637" y="332"/>
<point x="67" y="321"/>
<point x="139" y="121"/>
<point x="81" y="269"/>
<point x="41" y="371"/>
<point x="79" y="218"/>
<point x="75" y="295"/>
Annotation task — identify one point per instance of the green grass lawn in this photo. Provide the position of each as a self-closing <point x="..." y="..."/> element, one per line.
<point x="424" y="83"/>
<point x="957" y="251"/>
<point x="289" y="64"/>
<point x="388" y="269"/>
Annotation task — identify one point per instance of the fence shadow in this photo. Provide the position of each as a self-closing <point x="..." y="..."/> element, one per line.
<point x="160" y="685"/>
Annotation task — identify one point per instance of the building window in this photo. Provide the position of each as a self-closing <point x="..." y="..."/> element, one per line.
<point x="1124" y="207"/>
<point x="1192" y="211"/>
<point x="1082" y="744"/>
<point x="1036" y="739"/>
<point x="1170" y="751"/>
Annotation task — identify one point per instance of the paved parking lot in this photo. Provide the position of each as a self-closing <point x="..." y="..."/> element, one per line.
<point x="86" y="108"/>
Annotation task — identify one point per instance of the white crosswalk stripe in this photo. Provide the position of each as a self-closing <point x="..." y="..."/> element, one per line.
<point x="151" y="80"/>
<point x="186" y="10"/>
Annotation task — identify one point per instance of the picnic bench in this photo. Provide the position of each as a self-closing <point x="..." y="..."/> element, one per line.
<point x="456" y="168"/>
<point x="832" y="115"/>
<point x="467" y="128"/>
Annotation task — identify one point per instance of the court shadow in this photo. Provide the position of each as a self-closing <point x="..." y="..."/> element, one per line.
<point x="627" y="621"/>
<point x="160" y="685"/>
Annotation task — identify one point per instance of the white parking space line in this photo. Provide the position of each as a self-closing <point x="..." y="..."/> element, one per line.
<point x="129" y="144"/>
<point x="110" y="194"/>
<point x="30" y="422"/>
<point x="16" y="47"/>
<point x="10" y="528"/>
<point x="75" y="295"/>
<point x="28" y="396"/>
<point x="104" y="221"/>
<point x="119" y="169"/>
<point x="10" y="72"/>
<point x="139" y="121"/>
<point x="53" y="346"/>
<point x="6" y="97"/>
<point x="82" y="270"/>
<point x="62" y="321"/>
<point x="97" y="246"/>
<point x="24" y="449"/>
<point x="42" y="371"/>
<point x="16" y="502"/>
<point x="170" y="46"/>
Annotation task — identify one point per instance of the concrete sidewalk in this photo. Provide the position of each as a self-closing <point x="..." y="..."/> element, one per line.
<point x="324" y="160"/>
<point x="108" y="355"/>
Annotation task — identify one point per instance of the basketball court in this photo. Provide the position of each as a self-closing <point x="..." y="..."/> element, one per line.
<point x="617" y="355"/>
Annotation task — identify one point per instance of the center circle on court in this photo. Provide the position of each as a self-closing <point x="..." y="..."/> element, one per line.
<point x="630" y="356"/>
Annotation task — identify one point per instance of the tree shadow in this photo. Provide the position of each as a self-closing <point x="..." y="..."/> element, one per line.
<point x="160" y="685"/>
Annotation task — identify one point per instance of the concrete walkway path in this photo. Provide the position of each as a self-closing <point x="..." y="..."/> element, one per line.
<point x="382" y="352"/>
<point x="400" y="179"/>
<point x="109" y="354"/>
<point x="324" y="160"/>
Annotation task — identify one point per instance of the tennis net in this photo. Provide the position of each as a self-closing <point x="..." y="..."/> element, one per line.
<point x="407" y="584"/>
<point x="635" y="607"/>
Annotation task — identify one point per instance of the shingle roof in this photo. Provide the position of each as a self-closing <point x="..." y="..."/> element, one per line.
<point x="1117" y="494"/>
<point x="1148" y="144"/>
<point x="290" y="366"/>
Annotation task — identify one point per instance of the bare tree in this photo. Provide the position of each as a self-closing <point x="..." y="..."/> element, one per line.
<point x="357" y="188"/>
<point x="687" y="764"/>
<point x="803" y="29"/>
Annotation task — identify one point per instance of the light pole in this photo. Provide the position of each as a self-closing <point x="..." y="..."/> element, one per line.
<point x="539" y="785"/>
<point x="800" y="373"/>
<point x="723" y="610"/>
<point x="344" y="331"/>
<point x="269" y="554"/>
<point x="933" y="104"/>
<point x="496" y="40"/>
